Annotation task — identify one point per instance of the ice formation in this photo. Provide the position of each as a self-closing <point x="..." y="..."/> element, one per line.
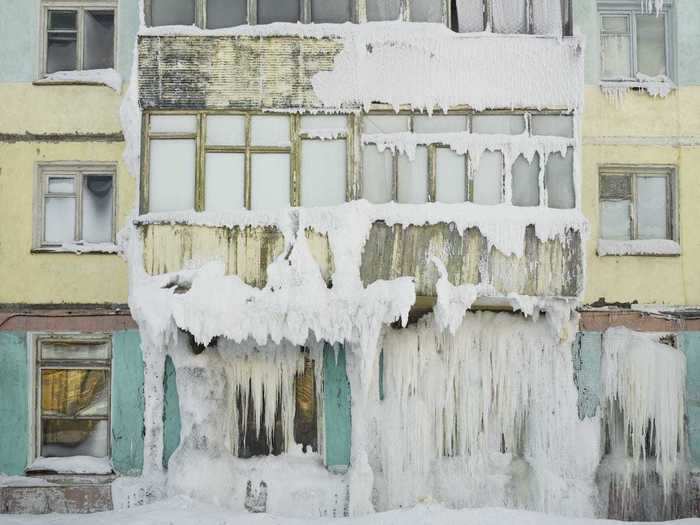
<point x="638" y="247"/>
<point x="107" y="77"/>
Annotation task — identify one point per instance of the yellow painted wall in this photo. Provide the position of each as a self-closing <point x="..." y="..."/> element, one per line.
<point x="644" y="130"/>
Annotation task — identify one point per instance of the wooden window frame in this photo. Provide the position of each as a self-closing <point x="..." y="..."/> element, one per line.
<point x="566" y="13"/>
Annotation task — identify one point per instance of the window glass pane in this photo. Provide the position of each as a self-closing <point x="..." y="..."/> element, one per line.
<point x="470" y="15"/>
<point x="547" y="17"/>
<point x="278" y="11"/>
<point x="651" y="208"/>
<point x="83" y="437"/>
<point x="324" y="124"/>
<point x="225" y="130"/>
<point x="616" y="187"/>
<point x="615" y="57"/>
<point x="323" y="168"/>
<point x="439" y="123"/>
<point x="373" y="124"/>
<point x="651" y="45"/>
<point x="269" y="131"/>
<point x="61" y="184"/>
<point x="509" y="16"/>
<point x="553" y="125"/>
<point x="270" y="181"/>
<point x="74" y="392"/>
<point x="450" y="180"/>
<point x="172" y="12"/>
<point x="488" y="181"/>
<point x="503" y="124"/>
<point x="559" y="180"/>
<point x="59" y="220"/>
<point x="61" y="54"/>
<point x="615" y="220"/>
<point x="377" y="175"/>
<point x="413" y="178"/>
<point x="306" y="410"/>
<point x="426" y="11"/>
<point x="615" y="24"/>
<point x="526" y="189"/>
<point x="223" y="188"/>
<point x="378" y="10"/>
<point x="98" y="208"/>
<point x="171" y="177"/>
<point x="72" y="350"/>
<point x="226" y="13"/>
<point x="63" y="20"/>
<point x="330" y="11"/>
<point x="173" y="124"/>
<point x="99" y="40"/>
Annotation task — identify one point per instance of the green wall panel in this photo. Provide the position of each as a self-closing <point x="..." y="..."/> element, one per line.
<point x="586" y="356"/>
<point x="171" y="412"/>
<point x="14" y="403"/>
<point x="690" y="344"/>
<point x="336" y="404"/>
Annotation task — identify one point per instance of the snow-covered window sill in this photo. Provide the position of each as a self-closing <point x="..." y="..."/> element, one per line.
<point x="655" y="87"/>
<point x="71" y="465"/>
<point x="90" y="77"/>
<point x="651" y="247"/>
<point x="106" y="248"/>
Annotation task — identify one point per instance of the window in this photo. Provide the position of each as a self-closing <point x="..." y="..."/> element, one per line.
<point x="633" y="43"/>
<point x="637" y="203"/>
<point x="78" y="36"/>
<point x="75" y="205"/>
<point x="540" y="17"/>
<point x="73" y="396"/>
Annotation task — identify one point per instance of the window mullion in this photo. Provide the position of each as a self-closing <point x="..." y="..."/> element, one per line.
<point x="432" y="175"/>
<point x="295" y="161"/>
<point x="247" y="176"/>
<point x="80" y="39"/>
<point x="252" y="12"/>
<point x="199" y="178"/>
<point x="634" y="234"/>
<point x="305" y="11"/>
<point x="633" y="45"/>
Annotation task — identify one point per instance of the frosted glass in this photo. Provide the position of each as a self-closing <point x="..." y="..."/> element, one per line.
<point x="451" y="174"/>
<point x="615" y="220"/>
<point x="172" y="12"/>
<point x="223" y="187"/>
<point x="651" y="45"/>
<point x="488" y="182"/>
<point x="226" y="130"/>
<point x="74" y="351"/>
<point x="173" y="124"/>
<point x="61" y="184"/>
<point x="651" y="208"/>
<point x="317" y="122"/>
<point x="526" y="189"/>
<point x="269" y="131"/>
<point x="439" y="123"/>
<point x="546" y="17"/>
<point x="270" y="181"/>
<point x="426" y="11"/>
<point x="615" y="57"/>
<point x="559" y="180"/>
<point x="378" y="10"/>
<point x="331" y="11"/>
<point x="98" y="208"/>
<point x="615" y="24"/>
<point x="99" y="39"/>
<point x="171" y="177"/>
<point x="413" y="178"/>
<point x="554" y="125"/>
<point x="226" y="13"/>
<point x="372" y="124"/>
<point x="470" y="16"/>
<point x="59" y="220"/>
<point x="323" y="168"/>
<point x="509" y="16"/>
<point x="377" y="175"/>
<point x="278" y="11"/>
<point x="503" y="124"/>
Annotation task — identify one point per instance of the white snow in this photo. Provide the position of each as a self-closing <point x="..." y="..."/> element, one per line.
<point x="72" y="465"/>
<point x="88" y="247"/>
<point x="638" y="247"/>
<point x="107" y="77"/>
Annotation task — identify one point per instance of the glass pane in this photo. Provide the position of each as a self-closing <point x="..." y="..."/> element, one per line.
<point x="377" y="175"/>
<point x="413" y="178"/>
<point x="172" y="12"/>
<point x="59" y="220"/>
<point x="269" y="131"/>
<point x="426" y="11"/>
<point x="439" y="123"/>
<point x="73" y="350"/>
<point x="373" y="124"/>
<point x="223" y="189"/>
<point x="225" y="130"/>
<point x="450" y="180"/>
<point x="306" y="411"/>
<point x="651" y="208"/>
<point x="616" y="187"/>
<point x="323" y="124"/>
<point x="546" y="17"/>
<point x="509" y="16"/>
<point x="63" y="20"/>
<point x="173" y="124"/>
<point x="171" y="177"/>
<point x="651" y="45"/>
<point x="323" y="169"/>
<point x="61" y="54"/>
<point x="270" y="181"/>
<point x="98" y="208"/>
<point x="470" y="15"/>
<point x="278" y="11"/>
<point x="378" y="10"/>
<point x="559" y="180"/>
<point x="615" y="24"/>
<point x="61" y="184"/>
<point x="526" y="187"/>
<point x="615" y="57"/>
<point x="488" y="182"/>
<point x="553" y="125"/>
<point x="99" y="40"/>
<point x="330" y="11"/>
<point x="615" y="220"/>
<point x="226" y="13"/>
<point x="61" y="438"/>
<point x="503" y="124"/>
<point x="74" y="392"/>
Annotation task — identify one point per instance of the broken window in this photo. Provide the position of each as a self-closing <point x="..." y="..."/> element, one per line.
<point x="78" y="38"/>
<point x="76" y="204"/>
<point x="539" y="17"/>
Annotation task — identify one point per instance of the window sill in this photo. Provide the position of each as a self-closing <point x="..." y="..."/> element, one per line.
<point x="90" y="77"/>
<point x="654" y="86"/>
<point x="107" y="248"/>
<point x="652" y="248"/>
<point x="72" y="465"/>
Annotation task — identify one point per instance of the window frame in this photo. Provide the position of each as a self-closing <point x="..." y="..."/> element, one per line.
<point x="80" y="6"/>
<point x="78" y="171"/>
<point x="566" y="14"/>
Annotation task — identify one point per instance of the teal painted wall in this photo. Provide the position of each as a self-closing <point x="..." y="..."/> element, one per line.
<point x="586" y="356"/>
<point x="171" y="412"/>
<point x="336" y="405"/>
<point x="690" y="344"/>
<point x="127" y="403"/>
<point x="14" y="403"/>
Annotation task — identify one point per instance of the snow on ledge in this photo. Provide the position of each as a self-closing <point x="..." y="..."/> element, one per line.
<point x="660" y="86"/>
<point x="23" y="481"/>
<point x="663" y="247"/>
<point x="106" y="77"/>
<point x="72" y="465"/>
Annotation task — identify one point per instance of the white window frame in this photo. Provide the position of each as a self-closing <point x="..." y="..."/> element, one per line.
<point x="77" y="170"/>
